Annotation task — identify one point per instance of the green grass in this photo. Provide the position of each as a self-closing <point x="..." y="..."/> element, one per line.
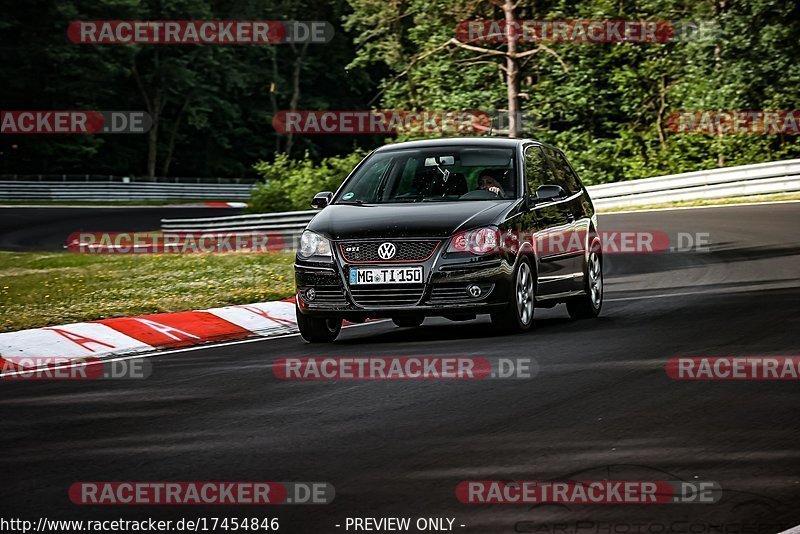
<point x="710" y="202"/>
<point x="43" y="289"/>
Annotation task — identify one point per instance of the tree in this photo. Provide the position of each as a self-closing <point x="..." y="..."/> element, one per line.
<point x="512" y="57"/>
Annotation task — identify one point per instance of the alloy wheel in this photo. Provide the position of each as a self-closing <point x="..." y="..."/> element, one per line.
<point x="595" y="279"/>
<point x="525" y="293"/>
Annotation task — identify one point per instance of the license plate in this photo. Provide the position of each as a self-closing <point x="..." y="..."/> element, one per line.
<point x="386" y="275"/>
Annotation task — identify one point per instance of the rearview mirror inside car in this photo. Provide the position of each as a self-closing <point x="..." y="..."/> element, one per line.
<point x="438" y="161"/>
<point x="321" y="199"/>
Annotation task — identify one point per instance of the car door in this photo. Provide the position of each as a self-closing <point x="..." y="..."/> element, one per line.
<point x="575" y="241"/>
<point x="550" y="223"/>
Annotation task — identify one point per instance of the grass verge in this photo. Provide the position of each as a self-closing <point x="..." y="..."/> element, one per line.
<point x="44" y="289"/>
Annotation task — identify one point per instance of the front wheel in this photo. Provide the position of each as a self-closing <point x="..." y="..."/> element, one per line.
<point x="317" y="330"/>
<point x="588" y="306"/>
<point x="518" y="316"/>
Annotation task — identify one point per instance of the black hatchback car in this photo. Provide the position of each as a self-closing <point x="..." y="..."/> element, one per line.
<point x="451" y="228"/>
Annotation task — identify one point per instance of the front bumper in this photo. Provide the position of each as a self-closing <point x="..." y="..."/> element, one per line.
<point x="447" y="278"/>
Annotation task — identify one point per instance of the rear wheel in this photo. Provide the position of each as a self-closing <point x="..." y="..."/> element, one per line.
<point x="518" y="316"/>
<point x="588" y="306"/>
<point x="408" y="322"/>
<point x="317" y="330"/>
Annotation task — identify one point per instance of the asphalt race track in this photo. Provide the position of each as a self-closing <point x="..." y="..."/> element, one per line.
<point x="47" y="228"/>
<point x="600" y="406"/>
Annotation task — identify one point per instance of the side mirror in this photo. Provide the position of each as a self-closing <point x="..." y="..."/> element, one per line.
<point x="321" y="200"/>
<point x="549" y="192"/>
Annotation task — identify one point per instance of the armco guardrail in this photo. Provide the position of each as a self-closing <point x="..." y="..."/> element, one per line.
<point x="125" y="191"/>
<point x="289" y="224"/>
<point x="747" y="180"/>
<point x="126" y="179"/>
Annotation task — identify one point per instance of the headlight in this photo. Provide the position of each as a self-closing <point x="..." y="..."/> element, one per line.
<point x="312" y="244"/>
<point x="480" y="241"/>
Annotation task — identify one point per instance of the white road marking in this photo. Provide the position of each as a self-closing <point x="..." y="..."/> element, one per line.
<point x="741" y="289"/>
<point x="738" y="204"/>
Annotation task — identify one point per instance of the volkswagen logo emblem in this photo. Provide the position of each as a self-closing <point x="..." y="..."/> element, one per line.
<point x="387" y="251"/>
<point x="474" y="291"/>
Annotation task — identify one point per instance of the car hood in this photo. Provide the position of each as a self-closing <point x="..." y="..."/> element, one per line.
<point x="428" y="219"/>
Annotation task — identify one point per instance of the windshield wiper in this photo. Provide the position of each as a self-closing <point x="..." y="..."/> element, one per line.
<point x="351" y="202"/>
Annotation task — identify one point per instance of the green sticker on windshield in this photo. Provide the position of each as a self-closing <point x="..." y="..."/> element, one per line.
<point x="348" y="196"/>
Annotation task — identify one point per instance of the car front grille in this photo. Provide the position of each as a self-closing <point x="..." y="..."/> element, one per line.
<point x="387" y="295"/>
<point x="456" y="293"/>
<point x="407" y="251"/>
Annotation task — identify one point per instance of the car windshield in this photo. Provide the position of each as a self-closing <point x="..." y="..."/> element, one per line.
<point x="440" y="174"/>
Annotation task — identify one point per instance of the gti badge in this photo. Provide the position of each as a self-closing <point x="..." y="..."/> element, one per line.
<point x="387" y="251"/>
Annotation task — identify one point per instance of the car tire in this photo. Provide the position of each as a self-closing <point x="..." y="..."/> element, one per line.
<point x="318" y="330"/>
<point x="588" y="306"/>
<point x="518" y="315"/>
<point x="408" y="322"/>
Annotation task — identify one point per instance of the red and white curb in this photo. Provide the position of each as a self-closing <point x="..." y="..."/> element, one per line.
<point x="147" y="333"/>
<point x="225" y="204"/>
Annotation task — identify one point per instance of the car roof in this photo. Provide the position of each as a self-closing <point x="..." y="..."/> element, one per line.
<point x="500" y="142"/>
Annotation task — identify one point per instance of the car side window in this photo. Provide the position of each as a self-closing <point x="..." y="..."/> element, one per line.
<point x="405" y="184"/>
<point x="366" y="190"/>
<point x="537" y="170"/>
<point x="565" y="177"/>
